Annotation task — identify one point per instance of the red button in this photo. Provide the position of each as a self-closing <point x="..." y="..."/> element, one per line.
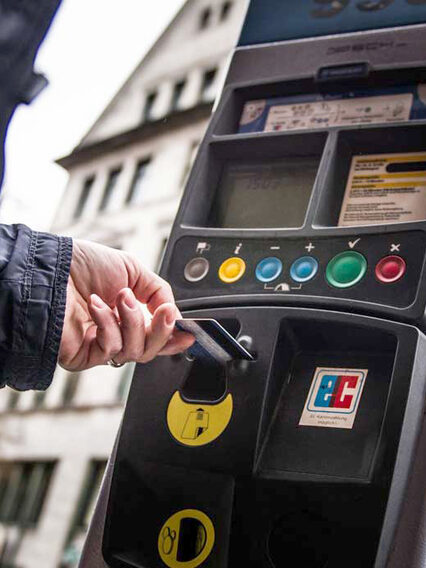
<point x="390" y="269"/>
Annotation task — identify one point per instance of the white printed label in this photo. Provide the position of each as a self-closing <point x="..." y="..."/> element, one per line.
<point x="341" y="112"/>
<point x="385" y="188"/>
<point x="333" y="398"/>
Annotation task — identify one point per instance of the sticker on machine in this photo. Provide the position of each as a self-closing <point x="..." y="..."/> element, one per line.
<point x="334" y="398"/>
<point x="385" y="188"/>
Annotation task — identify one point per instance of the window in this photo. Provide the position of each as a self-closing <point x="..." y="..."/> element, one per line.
<point x="89" y="493"/>
<point x="225" y="10"/>
<point x="39" y="398"/>
<point x="70" y="388"/>
<point x="207" y="92"/>
<point x="149" y="106"/>
<point x="109" y="189"/>
<point x="23" y="489"/>
<point x="125" y="382"/>
<point x="205" y="18"/>
<point x="135" y="194"/>
<point x="84" y="196"/>
<point x="12" y="401"/>
<point x="177" y="95"/>
<point x="83" y="513"/>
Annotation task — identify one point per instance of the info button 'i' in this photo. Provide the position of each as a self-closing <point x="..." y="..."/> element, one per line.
<point x="232" y="269"/>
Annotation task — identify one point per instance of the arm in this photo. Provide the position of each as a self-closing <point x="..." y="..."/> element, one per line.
<point x="81" y="304"/>
<point x="34" y="270"/>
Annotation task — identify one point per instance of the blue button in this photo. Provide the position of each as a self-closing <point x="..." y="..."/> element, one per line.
<point x="304" y="268"/>
<point x="268" y="269"/>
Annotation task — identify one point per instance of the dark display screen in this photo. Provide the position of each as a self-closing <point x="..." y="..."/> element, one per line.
<point x="273" y="194"/>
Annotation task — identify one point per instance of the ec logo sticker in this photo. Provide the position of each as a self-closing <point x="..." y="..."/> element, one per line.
<point x="333" y="398"/>
<point x="186" y="539"/>
<point x="197" y="424"/>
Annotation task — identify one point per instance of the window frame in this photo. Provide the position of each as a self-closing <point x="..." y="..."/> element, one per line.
<point x="111" y="183"/>
<point x="150" y="100"/>
<point x="83" y="198"/>
<point x="205" y="18"/>
<point x="142" y="165"/>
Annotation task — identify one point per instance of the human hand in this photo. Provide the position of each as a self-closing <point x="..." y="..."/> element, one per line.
<point x="104" y="318"/>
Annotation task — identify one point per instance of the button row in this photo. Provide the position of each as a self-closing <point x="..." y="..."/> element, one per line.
<point x="344" y="270"/>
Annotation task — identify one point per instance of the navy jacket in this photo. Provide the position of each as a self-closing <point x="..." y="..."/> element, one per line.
<point x="34" y="267"/>
<point x="34" y="270"/>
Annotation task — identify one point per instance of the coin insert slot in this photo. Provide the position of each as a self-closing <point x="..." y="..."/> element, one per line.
<point x="192" y="539"/>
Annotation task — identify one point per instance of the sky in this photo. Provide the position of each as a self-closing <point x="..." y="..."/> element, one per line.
<point x="90" y="50"/>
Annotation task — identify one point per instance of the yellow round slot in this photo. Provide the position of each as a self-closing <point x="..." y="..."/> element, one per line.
<point x="170" y="535"/>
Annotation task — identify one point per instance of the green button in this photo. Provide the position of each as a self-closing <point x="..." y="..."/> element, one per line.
<point x="346" y="269"/>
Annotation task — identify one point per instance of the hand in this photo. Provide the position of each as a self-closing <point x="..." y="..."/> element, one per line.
<point x="104" y="318"/>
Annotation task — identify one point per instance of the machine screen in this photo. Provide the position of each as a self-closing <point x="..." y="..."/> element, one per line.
<point x="273" y="194"/>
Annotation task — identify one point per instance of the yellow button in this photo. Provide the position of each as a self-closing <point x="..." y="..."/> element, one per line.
<point x="232" y="269"/>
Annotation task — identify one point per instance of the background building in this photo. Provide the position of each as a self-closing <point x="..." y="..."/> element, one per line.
<point x="125" y="181"/>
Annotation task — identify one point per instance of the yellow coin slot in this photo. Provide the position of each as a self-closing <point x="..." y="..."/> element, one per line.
<point x="232" y="269"/>
<point x="186" y="539"/>
<point x="197" y="424"/>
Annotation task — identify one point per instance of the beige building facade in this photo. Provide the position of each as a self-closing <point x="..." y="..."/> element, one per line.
<point x="125" y="182"/>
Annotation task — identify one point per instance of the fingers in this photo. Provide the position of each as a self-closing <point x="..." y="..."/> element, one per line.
<point x="179" y="341"/>
<point x="152" y="290"/>
<point x="108" y="340"/>
<point x="160" y="331"/>
<point x="132" y="326"/>
<point x="122" y="334"/>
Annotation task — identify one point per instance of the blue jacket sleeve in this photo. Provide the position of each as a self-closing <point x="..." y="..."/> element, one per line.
<point x="34" y="270"/>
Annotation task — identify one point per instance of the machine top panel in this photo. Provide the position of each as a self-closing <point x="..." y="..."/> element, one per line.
<point x="274" y="20"/>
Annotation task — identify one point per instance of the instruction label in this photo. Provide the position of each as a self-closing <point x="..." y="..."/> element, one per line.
<point x="385" y="188"/>
<point x="333" y="398"/>
<point x="198" y="424"/>
<point x="341" y="112"/>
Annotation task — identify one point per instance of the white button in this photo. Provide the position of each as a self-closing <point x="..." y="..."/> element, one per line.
<point x="196" y="269"/>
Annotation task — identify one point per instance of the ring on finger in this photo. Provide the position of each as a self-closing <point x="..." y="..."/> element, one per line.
<point x="114" y="364"/>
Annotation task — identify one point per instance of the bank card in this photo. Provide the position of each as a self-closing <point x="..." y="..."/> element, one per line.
<point x="213" y="338"/>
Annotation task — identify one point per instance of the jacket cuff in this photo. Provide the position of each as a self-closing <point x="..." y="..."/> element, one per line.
<point x="38" y="323"/>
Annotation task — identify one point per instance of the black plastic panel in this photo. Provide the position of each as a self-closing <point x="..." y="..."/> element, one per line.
<point x="409" y="245"/>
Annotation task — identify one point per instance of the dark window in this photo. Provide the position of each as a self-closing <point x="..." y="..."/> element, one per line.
<point x="225" y="10"/>
<point x="84" y="196"/>
<point x="205" y="18"/>
<point x="23" y="489"/>
<point x="83" y="513"/>
<point x="109" y="189"/>
<point x="135" y="192"/>
<point x="177" y="95"/>
<point x="88" y="495"/>
<point x="12" y="401"/>
<point x="207" y="84"/>
<point x="149" y="106"/>
<point x="70" y="388"/>
<point x="39" y="398"/>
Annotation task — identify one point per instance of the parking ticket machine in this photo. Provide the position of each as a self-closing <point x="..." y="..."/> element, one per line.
<point x="302" y="231"/>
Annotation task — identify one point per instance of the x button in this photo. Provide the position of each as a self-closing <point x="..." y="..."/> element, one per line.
<point x="395" y="248"/>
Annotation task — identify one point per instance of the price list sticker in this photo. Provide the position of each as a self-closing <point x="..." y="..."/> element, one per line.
<point x="385" y="188"/>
